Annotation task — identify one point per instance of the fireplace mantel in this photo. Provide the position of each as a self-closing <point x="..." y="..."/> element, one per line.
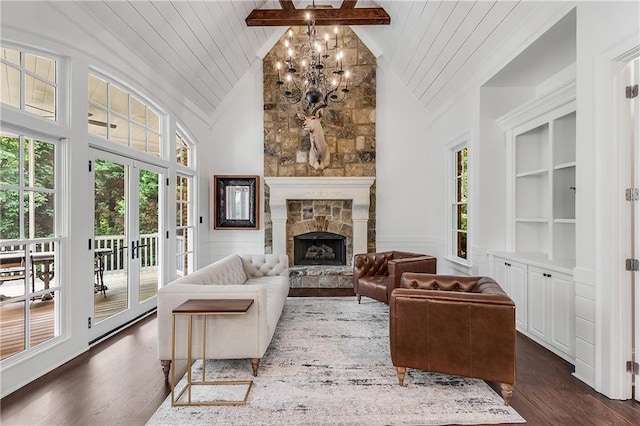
<point x="356" y="189"/>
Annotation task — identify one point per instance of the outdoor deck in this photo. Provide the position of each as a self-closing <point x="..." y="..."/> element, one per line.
<point x="42" y="319"/>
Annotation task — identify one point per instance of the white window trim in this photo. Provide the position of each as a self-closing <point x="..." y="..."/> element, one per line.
<point x="458" y="263"/>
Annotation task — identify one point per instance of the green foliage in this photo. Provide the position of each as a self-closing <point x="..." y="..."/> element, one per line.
<point x="43" y="177"/>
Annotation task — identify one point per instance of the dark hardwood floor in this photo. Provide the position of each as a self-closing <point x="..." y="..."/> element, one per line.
<point x="119" y="382"/>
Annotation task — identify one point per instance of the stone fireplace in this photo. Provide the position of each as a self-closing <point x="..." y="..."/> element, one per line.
<point x="339" y="199"/>
<point x="301" y="205"/>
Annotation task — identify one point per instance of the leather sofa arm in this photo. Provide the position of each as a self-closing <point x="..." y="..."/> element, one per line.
<point x="398" y="266"/>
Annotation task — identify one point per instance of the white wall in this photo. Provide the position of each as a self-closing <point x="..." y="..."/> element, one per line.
<point x="235" y="147"/>
<point x="405" y="186"/>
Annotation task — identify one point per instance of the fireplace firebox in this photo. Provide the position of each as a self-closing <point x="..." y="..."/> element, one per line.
<point x="320" y="248"/>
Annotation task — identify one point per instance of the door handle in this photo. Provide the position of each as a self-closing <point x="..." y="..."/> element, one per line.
<point x="133" y="250"/>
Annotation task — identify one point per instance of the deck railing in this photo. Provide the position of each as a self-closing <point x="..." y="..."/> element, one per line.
<point x="114" y="259"/>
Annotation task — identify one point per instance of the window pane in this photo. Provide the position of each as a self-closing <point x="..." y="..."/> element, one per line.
<point x="119" y="129"/>
<point x="462" y="217"/>
<point x="153" y="146"/>
<point x="138" y="113"/>
<point x="462" y="245"/>
<point x="12" y="329"/>
<point x="42" y="175"/>
<point x="98" y="90"/>
<point x="461" y="189"/>
<point x="182" y="151"/>
<point x="119" y="100"/>
<point x="138" y="137"/>
<point x="97" y="121"/>
<point x="43" y="67"/>
<point x="40" y="98"/>
<point x="9" y="159"/>
<point x="10" y="85"/>
<point x="42" y="320"/>
<point x="178" y="215"/>
<point x="10" y="214"/>
<point x="13" y="271"/>
<point x="40" y="205"/>
<point x="154" y="120"/>
<point x="11" y="55"/>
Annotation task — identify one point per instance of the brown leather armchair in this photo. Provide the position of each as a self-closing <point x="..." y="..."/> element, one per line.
<point x="375" y="275"/>
<point x="463" y="326"/>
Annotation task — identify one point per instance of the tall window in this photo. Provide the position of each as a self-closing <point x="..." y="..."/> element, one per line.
<point x="121" y="117"/>
<point x="29" y="243"/>
<point x="28" y="82"/>
<point x="185" y="212"/>
<point x="459" y="204"/>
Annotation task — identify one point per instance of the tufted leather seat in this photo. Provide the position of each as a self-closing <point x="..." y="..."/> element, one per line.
<point x="375" y="275"/>
<point x="454" y="325"/>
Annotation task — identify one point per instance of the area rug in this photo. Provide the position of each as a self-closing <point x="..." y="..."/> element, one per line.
<point x="329" y="364"/>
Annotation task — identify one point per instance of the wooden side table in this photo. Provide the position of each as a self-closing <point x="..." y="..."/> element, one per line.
<point x="204" y="308"/>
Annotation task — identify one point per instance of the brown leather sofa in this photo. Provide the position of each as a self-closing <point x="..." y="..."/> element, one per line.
<point x="375" y="275"/>
<point x="463" y="326"/>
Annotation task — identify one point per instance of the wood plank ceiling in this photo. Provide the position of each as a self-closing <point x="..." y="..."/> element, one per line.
<point x="204" y="47"/>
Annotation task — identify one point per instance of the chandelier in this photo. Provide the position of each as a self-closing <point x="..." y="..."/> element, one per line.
<point x="308" y="73"/>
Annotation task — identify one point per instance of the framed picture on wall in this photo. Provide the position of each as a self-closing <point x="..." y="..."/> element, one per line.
<point x="236" y="202"/>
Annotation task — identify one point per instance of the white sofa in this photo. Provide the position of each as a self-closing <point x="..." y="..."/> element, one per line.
<point x="263" y="278"/>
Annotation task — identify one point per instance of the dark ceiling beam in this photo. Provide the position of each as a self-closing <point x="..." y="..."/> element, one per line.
<point x="287" y="5"/>
<point x="287" y="18"/>
<point x="348" y="4"/>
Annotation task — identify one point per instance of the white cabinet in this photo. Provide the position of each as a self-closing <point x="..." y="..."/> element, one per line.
<point x="541" y="150"/>
<point x="544" y="299"/>
<point x="512" y="277"/>
<point x="552" y="309"/>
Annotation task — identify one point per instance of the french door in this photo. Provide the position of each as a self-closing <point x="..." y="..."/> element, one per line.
<point x="127" y="243"/>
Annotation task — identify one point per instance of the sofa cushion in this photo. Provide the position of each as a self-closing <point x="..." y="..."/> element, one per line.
<point x="228" y="270"/>
<point x="260" y="265"/>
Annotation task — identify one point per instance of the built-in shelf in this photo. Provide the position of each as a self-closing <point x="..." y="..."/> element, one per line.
<point x="532" y="219"/>
<point x="569" y="221"/>
<point x="542" y="148"/>
<point x="565" y="165"/>
<point x="539" y="172"/>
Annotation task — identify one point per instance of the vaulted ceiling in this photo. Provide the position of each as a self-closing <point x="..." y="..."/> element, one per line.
<point x="205" y="47"/>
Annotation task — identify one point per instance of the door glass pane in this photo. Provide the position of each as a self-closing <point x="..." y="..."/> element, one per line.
<point x="111" y="248"/>
<point x="42" y="325"/>
<point x="149" y="231"/>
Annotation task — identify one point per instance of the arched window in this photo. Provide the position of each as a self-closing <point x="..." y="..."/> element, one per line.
<point x="29" y="82"/>
<point x="122" y="117"/>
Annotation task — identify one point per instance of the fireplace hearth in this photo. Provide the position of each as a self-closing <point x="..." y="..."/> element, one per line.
<point x="320" y="248"/>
